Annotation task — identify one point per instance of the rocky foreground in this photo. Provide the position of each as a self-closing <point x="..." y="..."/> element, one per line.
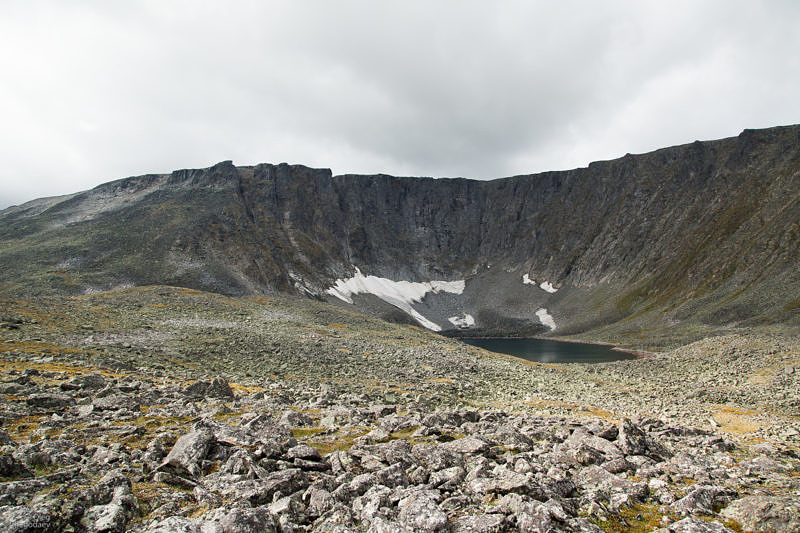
<point x="166" y="411"/>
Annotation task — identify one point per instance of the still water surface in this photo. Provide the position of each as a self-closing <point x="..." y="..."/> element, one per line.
<point x="547" y="351"/>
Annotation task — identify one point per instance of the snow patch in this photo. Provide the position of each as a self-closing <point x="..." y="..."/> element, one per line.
<point x="546" y="318"/>
<point x="547" y="286"/>
<point x="466" y="321"/>
<point x="400" y="294"/>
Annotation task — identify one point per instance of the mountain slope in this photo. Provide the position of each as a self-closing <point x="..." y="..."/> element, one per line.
<point x="704" y="235"/>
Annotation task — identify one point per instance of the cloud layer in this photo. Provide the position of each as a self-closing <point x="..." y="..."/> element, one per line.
<point x="102" y="90"/>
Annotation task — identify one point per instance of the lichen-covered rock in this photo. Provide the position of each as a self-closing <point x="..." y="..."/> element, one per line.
<point x="435" y="457"/>
<point x="25" y="519"/>
<point x="695" y="525"/>
<point x="108" y="518"/>
<point x="632" y="440"/>
<point x="220" y="389"/>
<point x="487" y="523"/>
<point x="253" y="520"/>
<point x="705" y="499"/>
<point x="419" y="512"/>
<point x="188" y="451"/>
<point x="760" y="512"/>
<point x="303" y="451"/>
<point x="84" y="383"/>
<point x="11" y="467"/>
<point x="261" y="491"/>
<point x="468" y="445"/>
<point x="180" y="524"/>
<point x="49" y="400"/>
<point x="116" y="401"/>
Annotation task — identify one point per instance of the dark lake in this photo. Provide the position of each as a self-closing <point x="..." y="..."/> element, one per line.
<point x="547" y="351"/>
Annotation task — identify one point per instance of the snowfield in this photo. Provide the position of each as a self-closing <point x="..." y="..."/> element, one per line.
<point x="466" y="321"/>
<point x="401" y="294"/>
<point x="546" y="318"/>
<point x="547" y="286"/>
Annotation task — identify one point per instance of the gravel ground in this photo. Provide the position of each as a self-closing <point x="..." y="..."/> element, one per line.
<point x="164" y="409"/>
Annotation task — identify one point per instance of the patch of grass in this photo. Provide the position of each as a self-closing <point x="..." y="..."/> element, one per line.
<point x="734" y="525"/>
<point x="736" y="420"/>
<point x="21" y="429"/>
<point x="246" y="389"/>
<point x="340" y="442"/>
<point x="639" y="518"/>
<point x="223" y="416"/>
<point x="45" y="470"/>
<point x="304" y="433"/>
<point x="404" y="433"/>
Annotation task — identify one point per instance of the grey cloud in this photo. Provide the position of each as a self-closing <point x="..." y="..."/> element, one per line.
<point x="453" y="88"/>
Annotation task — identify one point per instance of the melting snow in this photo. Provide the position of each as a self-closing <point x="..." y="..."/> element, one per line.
<point x="400" y="294"/>
<point x="467" y="321"/>
<point x="547" y="286"/>
<point x="546" y="318"/>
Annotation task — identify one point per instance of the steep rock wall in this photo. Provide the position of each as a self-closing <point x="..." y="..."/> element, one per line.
<point x="708" y="231"/>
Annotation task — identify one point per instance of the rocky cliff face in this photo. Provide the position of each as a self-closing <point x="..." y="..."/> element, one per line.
<point x="706" y="233"/>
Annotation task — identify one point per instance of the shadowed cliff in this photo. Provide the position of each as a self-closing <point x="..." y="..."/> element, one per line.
<point x="704" y="235"/>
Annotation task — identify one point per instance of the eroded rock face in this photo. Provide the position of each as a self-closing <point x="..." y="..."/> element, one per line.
<point x="616" y="231"/>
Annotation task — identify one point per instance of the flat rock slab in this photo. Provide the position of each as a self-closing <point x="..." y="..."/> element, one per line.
<point x="188" y="451"/>
<point x="488" y="523"/>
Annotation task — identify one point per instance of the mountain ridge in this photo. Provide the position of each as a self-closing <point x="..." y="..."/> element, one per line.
<point x="703" y="234"/>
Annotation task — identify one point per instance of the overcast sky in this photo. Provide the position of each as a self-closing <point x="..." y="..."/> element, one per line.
<point x="95" y="91"/>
